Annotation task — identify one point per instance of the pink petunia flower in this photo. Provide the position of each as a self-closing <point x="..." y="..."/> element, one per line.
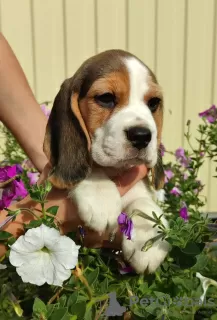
<point x="185" y="176"/>
<point x="33" y="177"/>
<point x="181" y="157"/>
<point x="126" y="225"/>
<point x="176" y="191"/>
<point x="210" y="114"/>
<point x="184" y="212"/>
<point x="168" y="175"/>
<point x="27" y="164"/>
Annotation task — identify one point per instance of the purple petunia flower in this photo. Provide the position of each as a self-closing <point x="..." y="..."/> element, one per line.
<point x="7" y="173"/>
<point x="181" y="157"/>
<point x="126" y="269"/>
<point x="210" y="114"/>
<point x="184" y="212"/>
<point x="33" y="177"/>
<point x="168" y="175"/>
<point x="126" y="225"/>
<point x="162" y="149"/>
<point x="19" y="168"/>
<point x="14" y="191"/>
<point x="176" y="191"/>
<point x="45" y="110"/>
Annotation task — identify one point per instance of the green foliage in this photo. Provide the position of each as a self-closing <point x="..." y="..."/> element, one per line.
<point x="11" y="150"/>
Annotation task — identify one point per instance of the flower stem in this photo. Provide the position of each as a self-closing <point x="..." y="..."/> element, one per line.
<point x="96" y="299"/>
<point x="43" y="210"/>
<point x="101" y="310"/>
<point x="78" y="273"/>
<point x="31" y="212"/>
<point x="55" y="296"/>
<point x="142" y="215"/>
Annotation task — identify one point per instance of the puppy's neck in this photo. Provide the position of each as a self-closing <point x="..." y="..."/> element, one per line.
<point x="111" y="172"/>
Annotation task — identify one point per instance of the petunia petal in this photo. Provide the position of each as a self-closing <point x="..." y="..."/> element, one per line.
<point x="34" y="272"/>
<point x="33" y="177"/>
<point x="17" y="259"/>
<point x="61" y="273"/>
<point x="19" y="189"/>
<point x="30" y="242"/>
<point x="50" y="236"/>
<point x="122" y="218"/>
<point x="66" y="252"/>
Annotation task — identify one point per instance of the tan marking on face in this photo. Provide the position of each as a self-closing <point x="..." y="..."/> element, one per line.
<point x="155" y="91"/>
<point x="95" y="115"/>
<point x="77" y="113"/>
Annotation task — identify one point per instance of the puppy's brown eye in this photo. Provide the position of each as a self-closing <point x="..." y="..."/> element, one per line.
<point x="153" y="104"/>
<point x="106" y="100"/>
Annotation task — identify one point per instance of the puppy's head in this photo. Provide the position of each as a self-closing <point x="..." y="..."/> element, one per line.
<point x="111" y="113"/>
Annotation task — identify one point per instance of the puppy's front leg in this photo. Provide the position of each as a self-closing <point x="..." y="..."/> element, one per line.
<point x="98" y="202"/>
<point x="143" y="231"/>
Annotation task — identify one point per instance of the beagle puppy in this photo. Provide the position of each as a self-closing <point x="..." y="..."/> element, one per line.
<point x="106" y="119"/>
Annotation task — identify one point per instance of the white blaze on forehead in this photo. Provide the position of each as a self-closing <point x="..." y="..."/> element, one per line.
<point x="138" y="74"/>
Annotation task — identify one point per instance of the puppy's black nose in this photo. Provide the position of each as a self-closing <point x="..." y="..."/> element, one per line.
<point x="139" y="136"/>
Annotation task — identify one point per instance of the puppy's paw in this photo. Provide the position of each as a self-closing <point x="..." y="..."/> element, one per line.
<point x="144" y="261"/>
<point x="98" y="202"/>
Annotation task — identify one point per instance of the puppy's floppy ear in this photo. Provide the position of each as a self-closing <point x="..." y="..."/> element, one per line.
<point x="67" y="141"/>
<point x="157" y="173"/>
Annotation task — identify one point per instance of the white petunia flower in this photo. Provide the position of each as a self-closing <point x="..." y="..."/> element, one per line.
<point x="43" y="255"/>
<point x="206" y="282"/>
<point x="2" y="266"/>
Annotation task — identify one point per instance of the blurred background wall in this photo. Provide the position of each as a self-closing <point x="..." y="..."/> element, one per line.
<point x="175" y="38"/>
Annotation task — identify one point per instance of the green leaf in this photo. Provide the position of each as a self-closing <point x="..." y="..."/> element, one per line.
<point x="60" y="314"/>
<point x="62" y="300"/>
<point x="50" y="309"/>
<point x="39" y="308"/>
<point x="92" y="277"/>
<point x="202" y="261"/>
<point x="191" y="249"/>
<point x="185" y="283"/>
<point x="72" y="299"/>
<point x="139" y="313"/>
<point x="89" y="315"/>
<point x="154" y="308"/>
<point x="78" y="309"/>
<point x="33" y="224"/>
<point x="53" y="210"/>
<point x="214" y="317"/>
<point x="11" y="241"/>
<point x="5" y="235"/>
<point x="104" y="286"/>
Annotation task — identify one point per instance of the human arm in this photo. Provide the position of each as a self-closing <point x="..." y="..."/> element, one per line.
<point x="19" y="110"/>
